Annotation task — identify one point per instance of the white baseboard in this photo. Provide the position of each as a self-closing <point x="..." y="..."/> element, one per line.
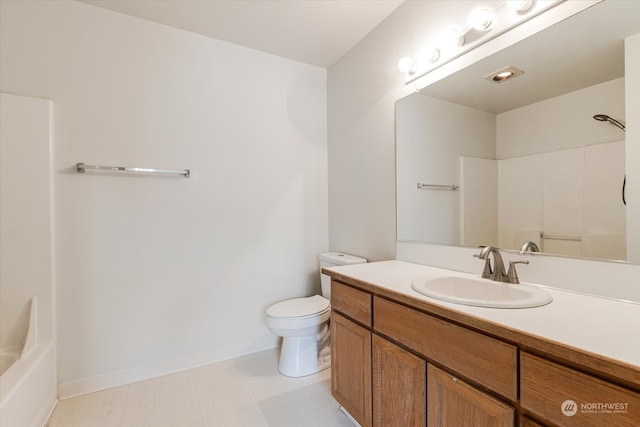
<point x="353" y="420"/>
<point x="128" y="376"/>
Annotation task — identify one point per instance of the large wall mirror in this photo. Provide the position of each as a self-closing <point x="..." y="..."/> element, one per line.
<point x="524" y="160"/>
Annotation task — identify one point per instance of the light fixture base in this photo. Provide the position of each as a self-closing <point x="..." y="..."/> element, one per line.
<point x="504" y="74"/>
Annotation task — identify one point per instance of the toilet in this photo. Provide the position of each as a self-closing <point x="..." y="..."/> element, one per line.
<point x="303" y="324"/>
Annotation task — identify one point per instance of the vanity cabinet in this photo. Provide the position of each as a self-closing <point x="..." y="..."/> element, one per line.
<point x="399" y="361"/>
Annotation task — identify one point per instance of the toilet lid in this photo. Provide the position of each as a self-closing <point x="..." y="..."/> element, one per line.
<point x="299" y="307"/>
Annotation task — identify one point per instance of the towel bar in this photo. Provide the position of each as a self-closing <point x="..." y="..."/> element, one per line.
<point x="81" y="167"/>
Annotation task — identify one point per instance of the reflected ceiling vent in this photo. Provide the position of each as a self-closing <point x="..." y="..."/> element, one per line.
<point x="504" y="74"/>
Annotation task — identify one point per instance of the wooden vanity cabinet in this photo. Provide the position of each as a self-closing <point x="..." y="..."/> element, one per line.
<point x="351" y="351"/>
<point x="381" y="383"/>
<point x="395" y="364"/>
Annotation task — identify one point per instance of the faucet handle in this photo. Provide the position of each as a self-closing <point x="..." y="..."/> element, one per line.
<point x="512" y="275"/>
<point x="487" y="272"/>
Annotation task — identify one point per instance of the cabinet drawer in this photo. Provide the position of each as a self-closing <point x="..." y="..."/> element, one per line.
<point x="351" y="302"/>
<point x="482" y="359"/>
<point x="568" y="397"/>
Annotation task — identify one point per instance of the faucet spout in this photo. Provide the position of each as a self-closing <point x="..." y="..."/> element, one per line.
<point x="498" y="273"/>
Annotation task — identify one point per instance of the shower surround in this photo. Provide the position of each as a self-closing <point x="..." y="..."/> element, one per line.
<point x="27" y="329"/>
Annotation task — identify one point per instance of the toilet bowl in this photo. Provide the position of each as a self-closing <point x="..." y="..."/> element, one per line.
<point x="303" y="324"/>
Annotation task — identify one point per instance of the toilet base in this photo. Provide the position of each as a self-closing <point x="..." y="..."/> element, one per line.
<point x="300" y="357"/>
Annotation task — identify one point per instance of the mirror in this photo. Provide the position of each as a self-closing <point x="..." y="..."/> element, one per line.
<point x="484" y="163"/>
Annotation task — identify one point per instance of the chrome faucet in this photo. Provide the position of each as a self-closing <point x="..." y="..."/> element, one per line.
<point x="529" y="246"/>
<point x="497" y="273"/>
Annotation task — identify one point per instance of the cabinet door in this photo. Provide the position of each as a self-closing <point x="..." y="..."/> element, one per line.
<point x="451" y="402"/>
<point x="351" y="367"/>
<point x="549" y="390"/>
<point x="399" y="386"/>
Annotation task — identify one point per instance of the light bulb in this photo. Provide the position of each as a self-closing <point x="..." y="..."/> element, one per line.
<point x="481" y="19"/>
<point x="503" y="76"/>
<point x="428" y="54"/>
<point x="407" y="65"/>
<point x="453" y="37"/>
<point x="520" y="6"/>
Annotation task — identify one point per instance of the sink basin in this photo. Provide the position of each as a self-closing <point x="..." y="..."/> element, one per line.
<point x="481" y="292"/>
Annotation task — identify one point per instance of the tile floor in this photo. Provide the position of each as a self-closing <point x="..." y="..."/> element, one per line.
<point x="246" y="392"/>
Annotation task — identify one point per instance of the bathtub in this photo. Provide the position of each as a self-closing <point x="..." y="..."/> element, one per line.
<point x="27" y="379"/>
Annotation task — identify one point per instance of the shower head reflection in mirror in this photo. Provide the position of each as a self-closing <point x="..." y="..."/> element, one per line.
<point x="605" y="118"/>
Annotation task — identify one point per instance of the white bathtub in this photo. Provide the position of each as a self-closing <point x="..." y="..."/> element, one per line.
<point x="7" y="358"/>
<point x="27" y="379"/>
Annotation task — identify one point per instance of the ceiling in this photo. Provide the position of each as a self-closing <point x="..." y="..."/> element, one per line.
<point x="579" y="52"/>
<point x="316" y="32"/>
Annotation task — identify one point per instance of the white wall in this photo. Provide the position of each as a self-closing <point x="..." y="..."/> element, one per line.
<point x="157" y="274"/>
<point x="431" y="136"/>
<point x="562" y="122"/>
<point x="479" y="206"/>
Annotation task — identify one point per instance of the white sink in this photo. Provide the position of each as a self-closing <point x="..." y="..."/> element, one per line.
<point x="481" y="292"/>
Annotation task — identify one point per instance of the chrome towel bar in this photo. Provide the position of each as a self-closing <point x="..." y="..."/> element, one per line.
<point x="556" y="237"/>
<point x="81" y="167"/>
<point x="452" y="187"/>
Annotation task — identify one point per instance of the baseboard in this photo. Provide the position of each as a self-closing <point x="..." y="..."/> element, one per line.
<point x="45" y="421"/>
<point x="114" y="379"/>
<point x="353" y="420"/>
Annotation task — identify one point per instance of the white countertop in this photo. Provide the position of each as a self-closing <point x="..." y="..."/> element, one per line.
<point x="602" y="326"/>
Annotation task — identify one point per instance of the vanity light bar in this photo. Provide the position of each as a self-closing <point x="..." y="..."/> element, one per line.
<point x="488" y="24"/>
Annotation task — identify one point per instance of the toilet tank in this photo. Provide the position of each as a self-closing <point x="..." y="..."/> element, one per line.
<point x="333" y="259"/>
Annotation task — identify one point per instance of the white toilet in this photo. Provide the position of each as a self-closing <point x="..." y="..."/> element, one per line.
<point x="303" y="324"/>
